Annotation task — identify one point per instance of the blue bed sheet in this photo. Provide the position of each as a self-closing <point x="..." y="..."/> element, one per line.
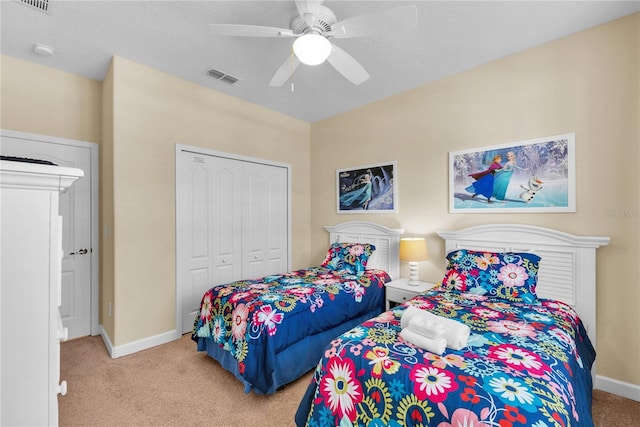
<point x="524" y="365"/>
<point x="269" y="331"/>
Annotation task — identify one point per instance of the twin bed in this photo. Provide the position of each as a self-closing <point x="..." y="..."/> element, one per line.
<point x="271" y="331"/>
<point x="528" y="359"/>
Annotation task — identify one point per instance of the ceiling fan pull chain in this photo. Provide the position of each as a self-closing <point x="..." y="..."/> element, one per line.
<point x="293" y="68"/>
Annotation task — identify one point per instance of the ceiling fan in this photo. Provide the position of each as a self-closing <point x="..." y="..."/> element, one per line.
<point x="312" y="28"/>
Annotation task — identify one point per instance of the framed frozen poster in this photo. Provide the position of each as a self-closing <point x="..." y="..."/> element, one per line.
<point x="367" y="189"/>
<point x="536" y="175"/>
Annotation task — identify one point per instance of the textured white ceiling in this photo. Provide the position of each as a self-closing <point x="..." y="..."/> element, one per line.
<point x="173" y="36"/>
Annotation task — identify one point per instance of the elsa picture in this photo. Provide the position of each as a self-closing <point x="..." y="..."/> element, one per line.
<point x="367" y="189"/>
<point x="528" y="176"/>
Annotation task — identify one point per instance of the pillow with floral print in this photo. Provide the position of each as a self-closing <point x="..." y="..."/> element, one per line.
<point x="509" y="275"/>
<point x="348" y="258"/>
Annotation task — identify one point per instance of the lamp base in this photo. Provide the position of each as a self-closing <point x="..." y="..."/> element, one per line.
<point x="413" y="274"/>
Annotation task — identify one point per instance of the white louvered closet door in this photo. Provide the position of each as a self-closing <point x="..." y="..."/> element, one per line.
<point x="231" y="224"/>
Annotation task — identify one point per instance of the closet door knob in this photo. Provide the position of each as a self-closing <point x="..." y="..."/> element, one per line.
<point x="80" y="252"/>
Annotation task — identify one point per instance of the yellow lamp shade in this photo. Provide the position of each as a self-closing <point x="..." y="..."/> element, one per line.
<point x="413" y="249"/>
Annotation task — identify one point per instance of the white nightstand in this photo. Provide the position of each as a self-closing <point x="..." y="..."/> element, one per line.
<point x="399" y="291"/>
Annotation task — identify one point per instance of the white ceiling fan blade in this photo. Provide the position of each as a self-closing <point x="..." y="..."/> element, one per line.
<point x="240" y="30"/>
<point x="307" y="6"/>
<point x="285" y="71"/>
<point x="346" y="65"/>
<point x="383" y="21"/>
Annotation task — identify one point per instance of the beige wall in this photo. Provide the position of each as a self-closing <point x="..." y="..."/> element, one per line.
<point x="42" y="100"/>
<point x="107" y="247"/>
<point x="152" y="111"/>
<point x="588" y="84"/>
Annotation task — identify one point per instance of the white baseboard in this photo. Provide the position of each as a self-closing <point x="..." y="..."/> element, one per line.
<point x="619" y="388"/>
<point x="106" y="341"/>
<point x="136" y="346"/>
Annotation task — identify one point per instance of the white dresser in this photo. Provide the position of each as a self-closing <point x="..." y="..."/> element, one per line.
<point x="30" y="291"/>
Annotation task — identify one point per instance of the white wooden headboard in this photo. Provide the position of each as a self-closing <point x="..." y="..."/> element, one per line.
<point x="567" y="262"/>
<point x="386" y="241"/>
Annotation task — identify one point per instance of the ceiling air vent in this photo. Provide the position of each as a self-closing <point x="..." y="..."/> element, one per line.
<point x="41" y="5"/>
<point x="223" y="77"/>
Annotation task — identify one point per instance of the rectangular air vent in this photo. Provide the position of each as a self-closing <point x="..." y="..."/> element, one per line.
<point x="41" y="5"/>
<point x="219" y="75"/>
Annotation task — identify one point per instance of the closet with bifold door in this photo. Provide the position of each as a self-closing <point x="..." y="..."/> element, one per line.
<point x="232" y="222"/>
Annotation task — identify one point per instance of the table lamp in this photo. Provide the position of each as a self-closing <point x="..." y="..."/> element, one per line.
<point x="412" y="250"/>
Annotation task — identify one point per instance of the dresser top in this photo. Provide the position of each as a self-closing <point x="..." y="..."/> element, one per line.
<point x="37" y="176"/>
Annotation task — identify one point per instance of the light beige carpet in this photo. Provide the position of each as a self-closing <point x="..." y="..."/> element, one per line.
<point x="173" y="385"/>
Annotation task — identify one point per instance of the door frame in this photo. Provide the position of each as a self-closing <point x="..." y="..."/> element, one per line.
<point x="95" y="235"/>
<point x="180" y="148"/>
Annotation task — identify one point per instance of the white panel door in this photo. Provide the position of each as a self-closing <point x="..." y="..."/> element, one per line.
<point x="208" y="220"/>
<point x="278" y="221"/>
<point x="254" y="228"/>
<point x="75" y="209"/>
<point x="226" y="220"/>
<point x="265" y="220"/>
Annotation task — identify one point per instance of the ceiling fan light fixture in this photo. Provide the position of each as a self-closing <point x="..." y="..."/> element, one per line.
<point x="312" y="48"/>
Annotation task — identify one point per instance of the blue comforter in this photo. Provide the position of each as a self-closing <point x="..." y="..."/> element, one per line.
<point x="525" y="365"/>
<point x="247" y="325"/>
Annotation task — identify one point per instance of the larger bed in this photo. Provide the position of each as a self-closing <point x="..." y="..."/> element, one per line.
<point x="528" y="358"/>
<point x="268" y="332"/>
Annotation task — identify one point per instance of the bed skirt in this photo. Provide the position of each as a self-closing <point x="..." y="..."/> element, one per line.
<point x="290" y="364"/>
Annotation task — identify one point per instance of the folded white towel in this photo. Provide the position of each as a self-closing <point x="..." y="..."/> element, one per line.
<point x="456" y="334"/>
<point x="408" y="314"/>
<point x="433" y="345"/>
<point x="426" y="327"/>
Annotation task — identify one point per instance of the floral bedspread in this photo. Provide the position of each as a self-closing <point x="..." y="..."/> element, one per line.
<point x="254" y="320"/>
<point x="525" y="365"/>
